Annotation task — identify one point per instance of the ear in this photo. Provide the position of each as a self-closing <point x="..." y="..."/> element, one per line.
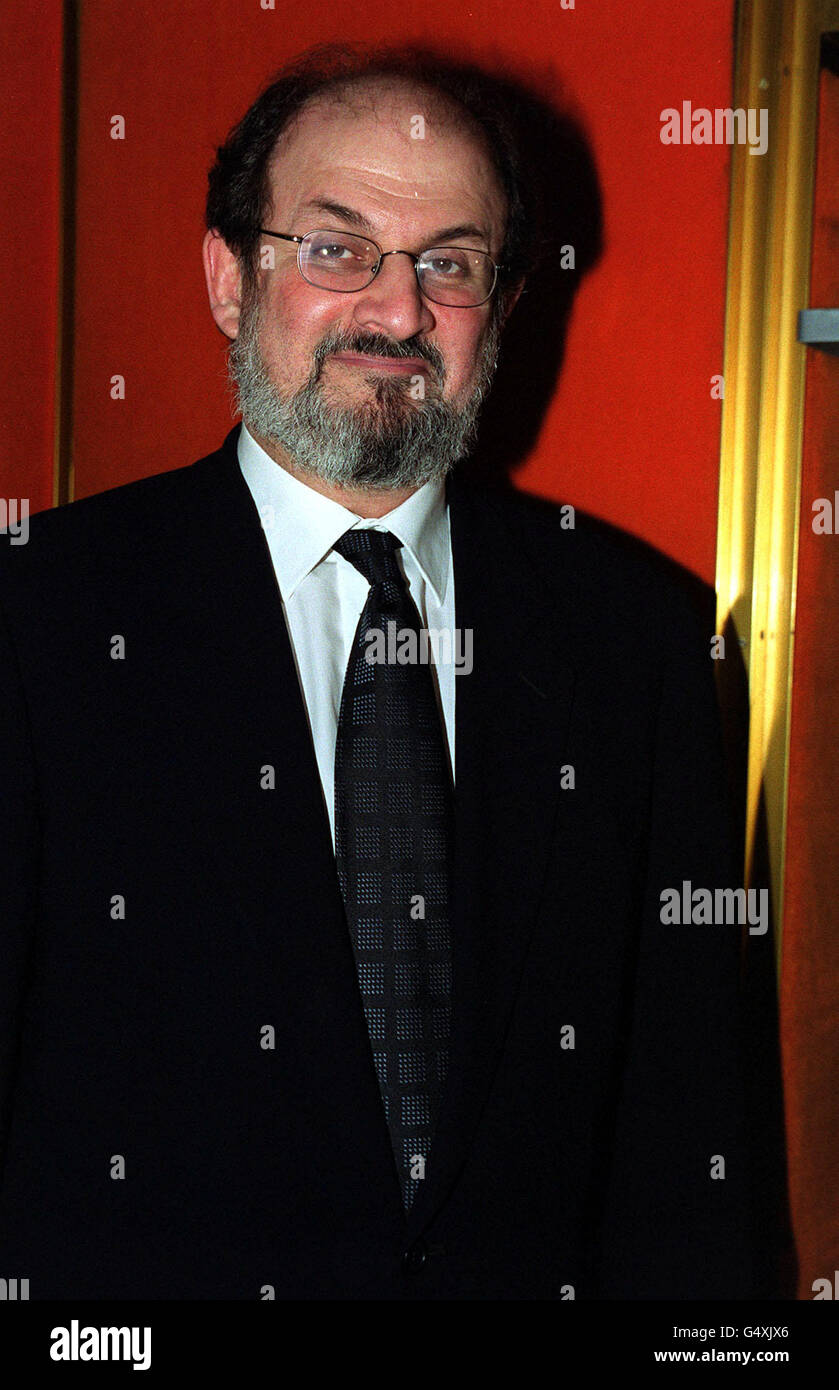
<point x="224" y="282"/>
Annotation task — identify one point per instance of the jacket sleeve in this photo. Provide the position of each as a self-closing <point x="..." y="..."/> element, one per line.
<point x="677" y="1219"/>
<point x="19" y="854"/>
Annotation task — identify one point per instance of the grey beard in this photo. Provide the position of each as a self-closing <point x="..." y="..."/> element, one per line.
<point x="392" y="441"/>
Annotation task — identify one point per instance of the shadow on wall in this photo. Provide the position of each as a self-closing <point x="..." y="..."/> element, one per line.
<point x="567" y="231"/>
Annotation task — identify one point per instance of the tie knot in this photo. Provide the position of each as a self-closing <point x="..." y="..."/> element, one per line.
<point x="373" y="553"/>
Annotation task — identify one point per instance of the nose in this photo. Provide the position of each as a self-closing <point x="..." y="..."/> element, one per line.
<point x="392" y="303"/>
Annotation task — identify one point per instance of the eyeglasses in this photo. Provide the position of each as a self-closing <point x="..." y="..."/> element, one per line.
<point x="455" y="276"/>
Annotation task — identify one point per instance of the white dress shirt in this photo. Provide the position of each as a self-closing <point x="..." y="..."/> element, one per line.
<point x="323" y="594"/>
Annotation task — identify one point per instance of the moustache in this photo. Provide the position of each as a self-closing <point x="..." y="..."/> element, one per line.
<point x="378" y="345"/>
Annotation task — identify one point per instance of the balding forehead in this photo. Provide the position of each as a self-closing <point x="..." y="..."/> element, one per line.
<point x="395" y="91"/>
<point x="386" y="97"/>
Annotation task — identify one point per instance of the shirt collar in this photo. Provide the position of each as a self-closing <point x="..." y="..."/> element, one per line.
<point x="301" y="525"/>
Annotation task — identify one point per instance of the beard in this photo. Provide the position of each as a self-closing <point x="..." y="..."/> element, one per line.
<point x="391" y="440"/>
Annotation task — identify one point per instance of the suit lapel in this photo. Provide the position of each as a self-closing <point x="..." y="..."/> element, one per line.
<point x="512" y="713"/>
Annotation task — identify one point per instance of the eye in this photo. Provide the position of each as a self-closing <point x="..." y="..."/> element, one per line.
<point x="333" y="251"/>
<point x="447" y="266"/>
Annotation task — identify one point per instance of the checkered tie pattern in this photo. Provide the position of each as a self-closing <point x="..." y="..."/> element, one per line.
<point x="393" y="846"/>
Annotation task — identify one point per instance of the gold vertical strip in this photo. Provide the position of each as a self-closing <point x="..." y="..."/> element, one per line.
<point x="62" y="468"/>
<point x="777" y="66"/>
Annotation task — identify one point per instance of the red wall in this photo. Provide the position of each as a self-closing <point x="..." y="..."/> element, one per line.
<point x="632" y="434"/>
<point x="30" y="99"/>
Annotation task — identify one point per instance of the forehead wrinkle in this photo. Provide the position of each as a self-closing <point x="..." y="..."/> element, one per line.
<point x="445" y="231"/>
<point x="461" y="227"/>
<point x="345" y="184"/>
<point x="380" y="183"/>
<point x="381" y="175"/>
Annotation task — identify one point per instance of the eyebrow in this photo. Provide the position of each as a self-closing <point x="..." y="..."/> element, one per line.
<point x="357" y="219"/>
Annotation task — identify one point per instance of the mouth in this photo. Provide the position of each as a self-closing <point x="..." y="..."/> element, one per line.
<point x="408" y="366"/>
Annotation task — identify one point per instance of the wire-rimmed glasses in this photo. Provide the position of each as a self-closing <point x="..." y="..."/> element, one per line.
<point x="458" y="277"/>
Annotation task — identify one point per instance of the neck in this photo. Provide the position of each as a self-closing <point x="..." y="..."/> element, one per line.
<point x="363" y="501"/>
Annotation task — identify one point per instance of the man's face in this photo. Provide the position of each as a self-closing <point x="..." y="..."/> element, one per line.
<point x="341" y="381"/>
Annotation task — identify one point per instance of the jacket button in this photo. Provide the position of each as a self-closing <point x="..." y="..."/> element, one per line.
<point x="415" y="1257"/>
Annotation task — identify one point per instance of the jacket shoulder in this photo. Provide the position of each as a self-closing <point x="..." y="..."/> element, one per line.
<point x="617" y="575"/>
<point x="114" y="529"/>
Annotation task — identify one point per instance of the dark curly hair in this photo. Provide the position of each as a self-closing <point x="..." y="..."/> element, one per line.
<point x="497" y="108"/>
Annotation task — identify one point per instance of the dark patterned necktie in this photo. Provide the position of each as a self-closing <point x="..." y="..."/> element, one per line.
<point x="393" y="847"/>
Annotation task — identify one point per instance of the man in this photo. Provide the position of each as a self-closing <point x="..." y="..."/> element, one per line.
<point x="335" y="970"/>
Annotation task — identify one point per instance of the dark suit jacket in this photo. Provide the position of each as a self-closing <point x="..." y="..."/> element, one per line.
<point x="557" y="1170"/>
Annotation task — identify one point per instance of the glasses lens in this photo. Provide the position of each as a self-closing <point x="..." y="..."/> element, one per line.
<point x="337" y="260"/>
<point x="456" y="276"/>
